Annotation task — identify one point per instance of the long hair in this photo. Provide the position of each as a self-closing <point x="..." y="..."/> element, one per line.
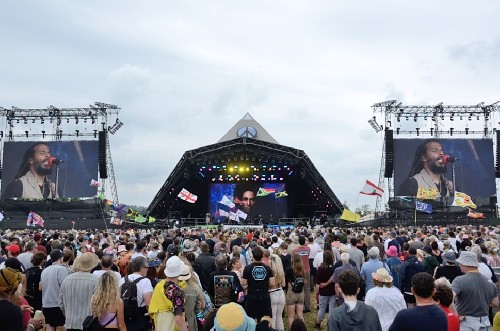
<point x="277" y="267"/>
<point x="106" y="295"/>
<point x="327" y="260"/>
<point x="421" y="150"/>
<point x="24" y="167"/>
<point x="297" y="267"/>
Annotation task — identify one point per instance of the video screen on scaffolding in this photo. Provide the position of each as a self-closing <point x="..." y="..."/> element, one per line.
<point x="423" y="168"/>
<point x="248" y="201"/>
<point x="49" y="170"/>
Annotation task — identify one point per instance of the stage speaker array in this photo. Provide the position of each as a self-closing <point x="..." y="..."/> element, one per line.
<point x="103" y="169"/>
<point x="389" y="153"/>
<point x="497" y="162"/>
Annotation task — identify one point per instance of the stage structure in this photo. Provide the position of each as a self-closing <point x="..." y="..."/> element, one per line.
<point x="468" y="136"/>
<point x="79" y="142"/>
<point x="284" y="181"/>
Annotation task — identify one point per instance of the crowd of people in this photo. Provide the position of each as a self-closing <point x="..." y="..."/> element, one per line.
<point x="416" y="278"/>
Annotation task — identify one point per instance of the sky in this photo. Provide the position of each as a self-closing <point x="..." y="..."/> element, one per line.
<point x="184" y="72"/>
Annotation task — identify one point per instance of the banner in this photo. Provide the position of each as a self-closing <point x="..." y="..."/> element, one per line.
<point x="350" y="216"/>
<point x="371" y="189"/>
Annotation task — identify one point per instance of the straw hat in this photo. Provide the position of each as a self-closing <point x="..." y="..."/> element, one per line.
<point x="382" y="275"/>
<point x="86" y="262"/>
<point x="9" y="280"/>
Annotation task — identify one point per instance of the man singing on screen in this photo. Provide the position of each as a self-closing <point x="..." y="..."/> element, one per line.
<point x="244" y="196"/>
<point x="31" y="181"/>
<point x="426" y="179"/>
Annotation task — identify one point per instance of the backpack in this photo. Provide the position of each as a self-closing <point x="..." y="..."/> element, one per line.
<point x="128" y="293"/>
<point x="31" y="284"/>
<point x="298" y="285"/>
<point x="91" y="323"/>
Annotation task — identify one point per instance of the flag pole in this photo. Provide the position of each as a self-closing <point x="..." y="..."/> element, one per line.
<point x="415" y="213"/>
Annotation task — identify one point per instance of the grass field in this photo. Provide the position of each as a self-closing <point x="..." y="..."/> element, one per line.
<point x="310" y="318"/>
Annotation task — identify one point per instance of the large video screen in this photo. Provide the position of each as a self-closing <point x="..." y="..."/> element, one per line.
<point x="248" y="201"/>
<point x="30" y="169"/>
<point x="431" y="169"/>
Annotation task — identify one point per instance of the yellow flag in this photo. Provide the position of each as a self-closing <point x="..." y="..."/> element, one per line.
<point x="350" y="216"/>
<point x="463" y="200"/>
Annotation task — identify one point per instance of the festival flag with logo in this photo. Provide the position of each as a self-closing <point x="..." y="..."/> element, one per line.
<point x="116" y="221"/>
<point x="265" y="191"/>
<point x="151" y="219"/>
<point x="95" y="183"/>
<point x="350" y="216"/>
<point x="132" y="213"/>
<point x="187" y="196"/>
<point x="463" y="200"/>
<point x="281" y="194"/>
<point x="34" y="219"/>
<point x="422" y="206"/>
<point x="371" y="189"/>
<point x="474" y="214"/>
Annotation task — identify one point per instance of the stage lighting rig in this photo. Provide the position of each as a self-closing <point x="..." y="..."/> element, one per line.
<point x="375" y="125"/>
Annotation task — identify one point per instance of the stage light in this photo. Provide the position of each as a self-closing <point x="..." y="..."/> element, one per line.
<point x="466" y="130"/>
<point x="33" y="121"/>
<point x="77" y="133"/>
<point x="418" y="131"/>
<point x="477" y="117"/>
<point x="451" y="131"/>
<point x="397" y="130"/>
<point x="17" y="121"/>
<point x="26" y="132"/>
<point x="432" y="130"/>
<point x="43" y="133"/>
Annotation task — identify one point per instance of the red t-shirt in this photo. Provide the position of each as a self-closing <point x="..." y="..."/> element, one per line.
<point x="453" y="322"/>
<point x="303" y="251"/>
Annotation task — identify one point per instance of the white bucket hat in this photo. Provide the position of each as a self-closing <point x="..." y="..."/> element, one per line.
<point x="174" y="267"/>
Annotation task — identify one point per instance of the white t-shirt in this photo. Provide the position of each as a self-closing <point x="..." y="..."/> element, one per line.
<point x="144" y="286"/>
<point x="99" y="273"/>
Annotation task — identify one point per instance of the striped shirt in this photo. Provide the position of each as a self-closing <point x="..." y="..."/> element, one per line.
<point x="75" y="295"/>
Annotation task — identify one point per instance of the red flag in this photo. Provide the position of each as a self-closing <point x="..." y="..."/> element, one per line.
<point x="372" y="189"/>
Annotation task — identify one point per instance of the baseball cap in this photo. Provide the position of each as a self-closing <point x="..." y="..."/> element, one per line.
<point x="13" y="248"/>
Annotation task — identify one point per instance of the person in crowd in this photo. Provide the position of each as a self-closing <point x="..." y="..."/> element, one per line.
<point x="225" y="284"/>
<point x="276" y="292"/>
<point x="194" y="300"/>
<point x="50" y="285"/>
<point x="32" y="179"/>
<point x="303" y="251"/>
<point x="410" y="268"/>
<point x="356" y="254"/>
<point x="106" y="264"/>
<point x="25" y="258"/>
<point x="385" y="298"/>
<point x="327" y="298"/>
<point x="426" y="179"/>
<point x="430" y="262"/>
<point x="295" y="289"/>
<point x="286" y="258"/>
<point x="140" y="250"/>
<point x="353" y="314"/>
<point x="258" y="277"/>
<point x="370" y="267"/>
<point x="106" y="304"/>
<point x="124" y="257"/>
<point x="426" y="315"/>
<point x="14" y="263"/>
<point x="449" y="270"/>
<point x="33" y="276"/>
<point x="139" y="268"/>
<point x="473" y="293"/>
<point x="394" y="264"/>
<point x="11" y="314"/>
<point x="204" y="265"/>
<point x="232" y="317"/>
<point x="444" y="298"/>
<point x="76" y="291"/>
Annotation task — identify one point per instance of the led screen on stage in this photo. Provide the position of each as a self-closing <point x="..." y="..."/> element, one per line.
<point x="248" y="201"/>
<point x="424" y="168"/>
<point x="29" y="174"/>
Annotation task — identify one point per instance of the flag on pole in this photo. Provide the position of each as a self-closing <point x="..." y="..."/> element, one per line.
<point x="474" y="214"/>
<point x="265" y="191"/>
<point x="422" y="206"/>
<point x="281" y="194"/>
<point x="225" y="201"/>
<point x="372" y="189"/>
<point x="151" y="219"/>
<point x="116" y="221"/>
<point x="95" y="183"/>
<point x="34" y="219"/>
<point x="463" y="200"/>
<point x="140" y="219"/>
<point x="350" y="216"/>
<point x="187" y="196"/>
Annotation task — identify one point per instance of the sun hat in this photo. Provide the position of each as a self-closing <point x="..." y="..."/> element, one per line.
<point x="392" y="251"/>
<point x="186" y="273"/>
<point x="122" y="248"/>
<point x="232" y="317"/>
<point x="174" y="267"/>
<point x="382" y="275"/>
<point x="449" y="257"/>
<point x="86" y="262"/>
<point x="9" y="280"/>
<point x="468" y="259"/>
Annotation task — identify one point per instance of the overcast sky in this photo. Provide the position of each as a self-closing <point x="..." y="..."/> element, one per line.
<point x="184" y="72"/>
